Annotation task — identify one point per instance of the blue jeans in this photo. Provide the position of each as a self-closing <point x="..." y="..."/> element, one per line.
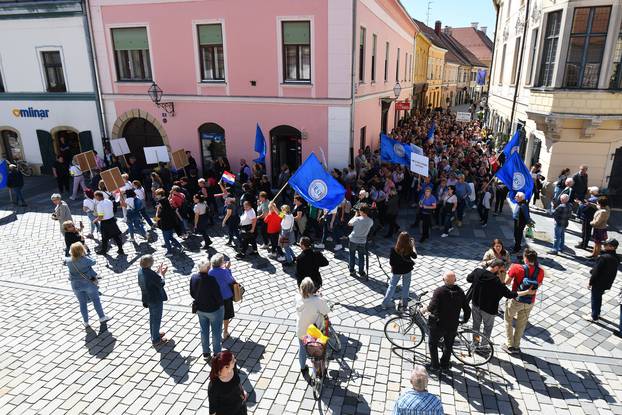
<point x="597" y="302"/>
<point x="302" y="354"/>
<point x="560" y="233"/>
<point x="19" y="196"/>
<point x="211" y="321"/>
<point x="135" y="224"/>
<point x="169" y="240"/>
<point x="355" y="248"/>
<point x="388" y="297"/>
<point x="155" y="320"/>
<point x="94" y="226"/>
<point x="84" y="290"/>
<point x="287" y="248"/>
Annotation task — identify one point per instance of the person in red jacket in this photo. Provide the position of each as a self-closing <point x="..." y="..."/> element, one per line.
<point x="273" y="228"/>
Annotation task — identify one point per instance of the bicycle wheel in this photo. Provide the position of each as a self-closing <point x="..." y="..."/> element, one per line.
<point x="333" y="340"/>
<point x="318" y="380"/>
<point x="404" y="332"/>
<point x="472" y="348"/>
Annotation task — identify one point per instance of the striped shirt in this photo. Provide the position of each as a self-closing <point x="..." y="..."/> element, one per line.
<point x="418" y="403"/>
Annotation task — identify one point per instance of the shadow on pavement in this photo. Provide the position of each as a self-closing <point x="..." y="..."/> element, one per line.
<point x="99" y="344"/>
<point x="173" y="363"/>
<point x="247" y="352"/>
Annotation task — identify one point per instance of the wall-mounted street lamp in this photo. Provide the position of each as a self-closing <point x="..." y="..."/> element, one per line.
<point x="155" y="93"/>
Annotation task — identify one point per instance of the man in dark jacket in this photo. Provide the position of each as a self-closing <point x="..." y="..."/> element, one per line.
<point x="308" y="263"/>
<point x="15" y="182"/>
<point x="488" y="289"/>
<point x="602" y="276"/>
<point x="153" y="296"/>
<point x="209" y="306"/>
<point x="521" y="219"/>
<point x="580" y="184"/>
<point x="444" y="308"/>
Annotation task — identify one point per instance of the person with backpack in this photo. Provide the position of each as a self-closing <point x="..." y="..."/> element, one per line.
<point x="523" y="277"/>
<point x="486" y="291"/>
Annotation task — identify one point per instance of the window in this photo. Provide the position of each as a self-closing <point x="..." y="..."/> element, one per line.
<point x="405" y="66"/>
<point x="362" y="55"/>
<point x="386" y="62"/>
<point x="362" y="137"/>
<point x="397" y="66"/>
<point x="587" y="44"/>
<point x="297" y="51"/>
<point x="374" y="40"/>
<point x="211" y="52"/>
<point x="131" y="54"/>
<point x="514" y="79"/>
<point x="53" y="69"/>
<point x="616" y="74"/>
<point x="532" y="56"/>
<point x="549" y="50"/>
<point x="502" y="65"/>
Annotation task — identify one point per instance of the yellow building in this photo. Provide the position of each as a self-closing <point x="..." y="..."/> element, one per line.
<point x="436" y="67"/>
<point x="420" y="71"/>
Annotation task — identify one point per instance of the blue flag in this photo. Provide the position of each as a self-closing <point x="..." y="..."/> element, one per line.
<point x="393" y="151"/>
<point x="4" y="172"/>
<point x="260" y="146"/>
<point x="431" y="132"/>
<point x="512" y="146"/>
<point x="481" y="77"/>
<point x="316" y="185"/>
<point x="516" y="176"/>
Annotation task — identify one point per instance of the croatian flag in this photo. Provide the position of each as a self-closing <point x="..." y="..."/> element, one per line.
<point x="228" y="177"/>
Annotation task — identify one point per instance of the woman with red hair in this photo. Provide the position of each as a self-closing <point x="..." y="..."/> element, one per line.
<point x="225" y="392"/>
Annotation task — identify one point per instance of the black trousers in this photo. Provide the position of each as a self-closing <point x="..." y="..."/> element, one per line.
<point x="262" y="230"/>
<point x="586" y="233"/>
<point x="274" y="243"/>
<point x="247" y="238"/>
<point x="63" y="183"/>
<point x="436" y="333"/>
<point x="116" y="239"/>
<point x="519" y="228"/>
<point x="391" y="221"/>
<point x="426" y="223"/>
<point x="500" y="196"/>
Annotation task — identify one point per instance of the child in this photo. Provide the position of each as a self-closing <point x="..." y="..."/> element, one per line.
<point x="72" y="235"/>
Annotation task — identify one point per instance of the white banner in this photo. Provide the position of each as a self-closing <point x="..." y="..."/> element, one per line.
<point x="419" y="164"/>
<point x="463" y="116"/>
<point x="119" y="147"/>
<point x="155" y="155"/>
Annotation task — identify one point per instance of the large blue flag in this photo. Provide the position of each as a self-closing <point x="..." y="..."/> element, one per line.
<point x="512" y="146"/>
<point x="516" y="176"/>
<point x="431" y="132"/>
<point x="481" y="77"/>
<point x="316" y="185"/>
<point x="393" y="151"/>
<point x="260" y="145"/>
<point x="4" y="172"/>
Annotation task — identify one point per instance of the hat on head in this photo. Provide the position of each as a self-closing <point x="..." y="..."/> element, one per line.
<point x="612" y="242"/>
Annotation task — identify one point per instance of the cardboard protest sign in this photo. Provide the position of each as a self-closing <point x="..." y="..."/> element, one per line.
<point x="180" y="159"/>
<point x="86" y="161"/>
<point x="112" y="179"/>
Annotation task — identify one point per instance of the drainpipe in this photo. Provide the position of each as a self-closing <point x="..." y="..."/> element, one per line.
<point x="520" y="65"/>
<point x="88" y="27"/>
<point x="492" y="64"/>
<point x="353" y="79"/>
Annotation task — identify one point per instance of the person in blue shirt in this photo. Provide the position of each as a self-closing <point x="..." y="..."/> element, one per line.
<point x="222" y="273"/>
<point x="462" y="193"/>
<point x="418" y="400"/>
<point x="427" y="206"/>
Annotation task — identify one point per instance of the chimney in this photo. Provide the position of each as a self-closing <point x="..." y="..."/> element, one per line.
<point x="474" y="25"/>
<point x="447" y="30"/>
<point x="483" y="29"/>
<point x="437" y="27"/>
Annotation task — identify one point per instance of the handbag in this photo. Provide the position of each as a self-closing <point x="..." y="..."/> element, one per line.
<point x="238" y="291"/>
<point x="195" y="306"/>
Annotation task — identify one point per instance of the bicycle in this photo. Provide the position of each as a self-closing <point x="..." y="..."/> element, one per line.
<point x="408" y="330"/>
<point x="24" y="167"/>
<point x="319" y="355"/>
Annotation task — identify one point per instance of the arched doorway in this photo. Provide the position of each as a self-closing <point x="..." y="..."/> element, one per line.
<point x="70" y="137"/>
<point x="212" y="143"/>
<point x="285" y="148"/>
<point x="140" y="133"/>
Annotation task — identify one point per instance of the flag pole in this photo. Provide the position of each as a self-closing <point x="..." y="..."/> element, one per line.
<point x="280" y="191"/>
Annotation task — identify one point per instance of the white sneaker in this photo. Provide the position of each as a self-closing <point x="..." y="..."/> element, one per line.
<point x="319" y="246"/>
<point x="338" y="247"/>
<point x="444" y="235"/>
<point x="72" y="198"/>
<point x="131" y="239"/>
<point x="451" y="229"/>
<point x="329" y="238"/>
<point x="281" y="259"/>
<point x="105" y="319"/>
<point x="169" y="254"/>
<point x="86" y="324"/>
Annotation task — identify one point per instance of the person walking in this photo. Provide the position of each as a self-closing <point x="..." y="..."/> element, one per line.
<point x="462" y="193"/>
<point x="286" y="237"/>
<point x="225" y="393"/>
<point x="599" y="223"/>
<point x="61" y="173"/>
<point x="15" y="182"/>
<point x="521" y="218"/>
<point x="263" y="209"/>
<point x="445" y="306"/>
<point x="141" y="194"/>
<point x="585" y="213"/>
<point x="166" y="218"/>
<point x="273" y="228"/>
<point x="361" y="224"/>
<point x="209" y="306"/>
<point x="602" y="276"/>
<point x="308" y="263"/>
<point x="83" y="279"/>
<point x="310" y="309"/>
<point x="488" y="288"/>
<point x="501" y="192"/>
<point x="108" y="223"/>
<point x="88" y="207"/>
<point x="78" y="179"/>
<point x="132" y="206"/>
<point x="248" y="223"/>
<point x="232" y="221"/>
<point x="402" y="263"/>
<point x="561" y="215"/>
<point x="529" y="275"/>
<point x="221" y="270"/>
<point x="61" y="212"/>
<point x="151" y="285"/>
<point x="201" y="219"/>
<point x="427" y="205"/>
<point x="418" y="400"/>
<point x="450" y="204"/>
<point x="484" y="204"/>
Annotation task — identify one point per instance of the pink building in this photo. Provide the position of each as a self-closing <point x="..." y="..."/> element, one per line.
<point x="227" y="65"/>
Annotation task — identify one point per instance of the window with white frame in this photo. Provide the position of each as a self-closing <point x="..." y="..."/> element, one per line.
<point x="374" y="41"/>
<point x="53" y="70"/>
<point x="616" y="75"/>
<point x="362" y="55"/>
<point x="514" y="79"/>
<point x="131" y="54"/>
<point x="296" y="51"/>
<point x="211" y="52"/>
<point x="532" y="55"/>
<point x="549" y="49"/>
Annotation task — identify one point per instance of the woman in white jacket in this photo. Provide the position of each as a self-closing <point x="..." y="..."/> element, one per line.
<point x="310" y="309"/>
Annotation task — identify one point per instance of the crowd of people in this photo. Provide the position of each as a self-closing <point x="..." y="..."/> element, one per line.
<point x="463" y="161"/>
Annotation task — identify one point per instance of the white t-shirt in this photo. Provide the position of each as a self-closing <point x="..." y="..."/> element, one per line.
<point x="200" y="208"/>
<point x="246" y="218"/>
<point x="140" y="193"/>
<point x="287" y="222"/>
<point x="486" y="200"/>
<point x="89" y="204"/>
<point x="129" y="202"/>
<point x="105" y="209"/>
<point x="75" y="171"/>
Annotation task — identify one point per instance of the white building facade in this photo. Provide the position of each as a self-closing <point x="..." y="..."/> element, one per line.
<point x="47" y="82"/>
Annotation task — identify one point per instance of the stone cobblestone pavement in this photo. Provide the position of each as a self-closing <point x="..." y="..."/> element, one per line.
<point x="50" y="364"/>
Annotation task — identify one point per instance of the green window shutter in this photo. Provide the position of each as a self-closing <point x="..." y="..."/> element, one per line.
<point x="131" y="38"/>
<point x="210" y="34"/>
<point x="296" y="33"/>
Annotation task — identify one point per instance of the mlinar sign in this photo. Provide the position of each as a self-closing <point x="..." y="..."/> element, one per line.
<point x="30" y="113"/>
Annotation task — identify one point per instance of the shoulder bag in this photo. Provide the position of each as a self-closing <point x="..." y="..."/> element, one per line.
<point x="93" y="281"/>
<point x="238" y="291"/>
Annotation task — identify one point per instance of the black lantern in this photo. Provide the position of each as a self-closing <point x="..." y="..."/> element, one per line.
<point x="155" y="93"/>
